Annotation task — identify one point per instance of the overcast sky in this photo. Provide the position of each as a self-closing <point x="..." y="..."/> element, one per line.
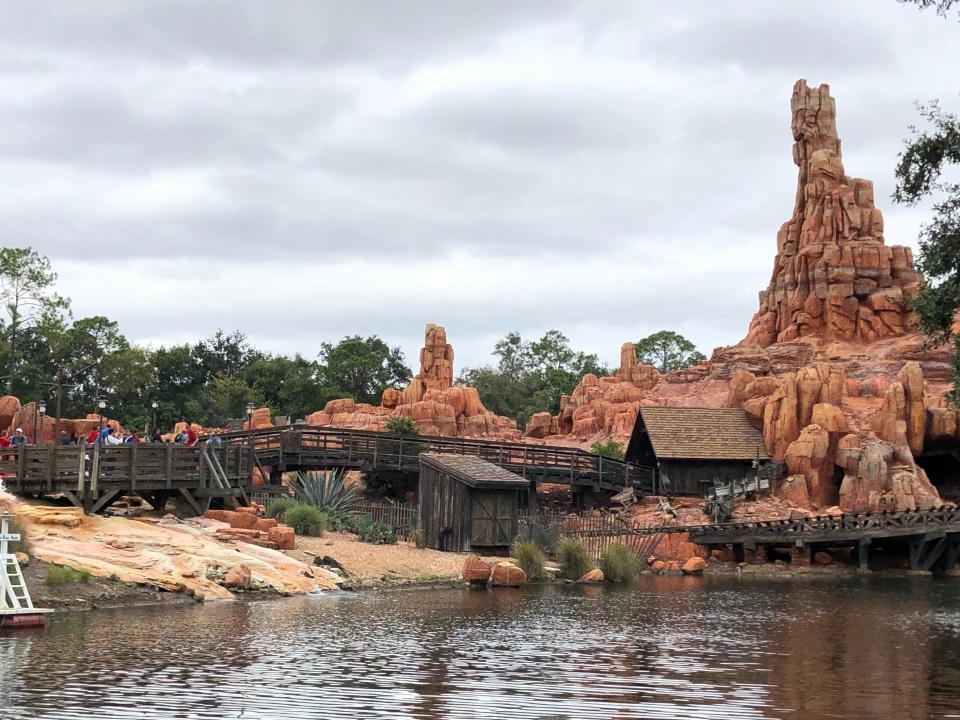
<point x="306" y="170"/>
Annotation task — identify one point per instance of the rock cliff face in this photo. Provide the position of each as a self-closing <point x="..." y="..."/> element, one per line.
<point x="832" y="370"/>
<point x="435" y="404"/>
<point x="833" y="277"/>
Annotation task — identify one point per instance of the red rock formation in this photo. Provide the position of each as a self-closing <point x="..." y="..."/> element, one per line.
<point x="431" y="400"/>
<point x="832" y="370"/>
<point x="833" y="276"/>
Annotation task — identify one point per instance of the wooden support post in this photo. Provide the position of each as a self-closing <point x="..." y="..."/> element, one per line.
<point x="863" y="554"/>
<point x="94" y="472"/>
<point x="104" y="500"/>
<point x="21" y="467"/>
<point x="81" y="469"/>
<point x="168" y="470"/>
<point x="191" y="501"/>
<point x="52" y="465"/>
<point x="133" y="467"/>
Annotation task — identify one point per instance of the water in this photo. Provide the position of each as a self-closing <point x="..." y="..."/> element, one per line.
<point x="681" y="648"/>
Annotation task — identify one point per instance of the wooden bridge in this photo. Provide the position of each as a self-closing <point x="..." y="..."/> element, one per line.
<point x="93" y="476"/>
<point x="932" y="537"/>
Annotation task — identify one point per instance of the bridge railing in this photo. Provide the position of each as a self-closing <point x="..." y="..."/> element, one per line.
<point x="295" y="444"/>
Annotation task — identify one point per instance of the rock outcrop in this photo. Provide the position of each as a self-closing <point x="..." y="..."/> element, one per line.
<point x="832" y="370"/>
<point x="833" y="277"/>
<point x="436" y="405"/>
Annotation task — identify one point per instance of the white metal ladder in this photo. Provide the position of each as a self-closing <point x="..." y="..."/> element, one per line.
<point x="13" y="588"/>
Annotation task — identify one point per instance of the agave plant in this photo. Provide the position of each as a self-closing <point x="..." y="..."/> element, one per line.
<point x="326" y="490"/>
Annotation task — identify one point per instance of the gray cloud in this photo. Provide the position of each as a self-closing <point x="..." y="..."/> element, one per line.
<point x="306" y="170"/>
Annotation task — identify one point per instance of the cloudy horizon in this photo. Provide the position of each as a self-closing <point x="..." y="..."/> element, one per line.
<point x="309" y="170"/>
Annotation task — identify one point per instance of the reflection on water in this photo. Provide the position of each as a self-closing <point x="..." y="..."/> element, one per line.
<point x="668" y="648"/>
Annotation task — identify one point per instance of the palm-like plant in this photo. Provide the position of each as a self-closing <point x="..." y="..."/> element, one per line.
<point x="326" y="490"/>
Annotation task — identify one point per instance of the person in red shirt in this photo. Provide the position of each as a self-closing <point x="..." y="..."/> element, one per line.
<point x="191" y="434"/>
<point x="92" y="436"/>
<point x="4" y="441"/>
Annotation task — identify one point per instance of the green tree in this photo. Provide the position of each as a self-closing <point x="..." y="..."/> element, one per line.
<point x="289" y="385"/>
<point x="402" y="425"/>
<point x="924" y="171"/>
<point x="609" y="449"/>
<point x="667" y="351"/>
<point x="530" y="376"/>
<point x="362" y="368"/>
<point x="28" y="299"/>
<point x="225" y="396"/>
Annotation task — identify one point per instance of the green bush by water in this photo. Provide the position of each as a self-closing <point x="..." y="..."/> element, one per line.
<point x="61" y="575"/>
<point x="305" y="520"/>
<point x="619" y="563"/>
<point x="529" y="558"/>
<point x="572" y="556"/>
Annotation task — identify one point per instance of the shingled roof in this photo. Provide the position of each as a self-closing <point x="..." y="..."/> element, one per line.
<point x="472" y="471"/>
<point x="684" y="433"/>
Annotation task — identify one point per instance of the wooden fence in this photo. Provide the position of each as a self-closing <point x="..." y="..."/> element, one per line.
<point x="402" y="517"/>
<point x="595" y="531"/>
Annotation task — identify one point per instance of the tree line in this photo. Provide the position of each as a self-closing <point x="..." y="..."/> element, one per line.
<point x="42" y="346"/>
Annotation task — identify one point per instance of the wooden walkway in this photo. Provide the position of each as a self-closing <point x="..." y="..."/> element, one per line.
<point x="932" y="537"/>
<point x="93" y="476"/>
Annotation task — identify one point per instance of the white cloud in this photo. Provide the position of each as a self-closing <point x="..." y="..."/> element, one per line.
<point x="309" y="170"/>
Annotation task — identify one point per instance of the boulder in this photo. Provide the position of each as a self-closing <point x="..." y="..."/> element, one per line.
<point x="238" y="577"/>
<point x="693" y="566"/>
<point x="506" y="574"/>
<point x="592" y="576"/>
<point x="283" y="536"/>
<point x="476" y="570"/>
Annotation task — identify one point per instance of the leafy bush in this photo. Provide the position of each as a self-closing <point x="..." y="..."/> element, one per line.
<point x="61" y="575"/>
<point x="609" y="449"/>
<point x="277" y="506"/>
<point x="416" y="533"/>
<point x="376" y="532"/>
<point x="305" y="520"/>
<point x="619" y="563"/>
<point x="402" y="425"/>
<point x="572" y="556"/>
<point x="327" y="491"/>
<point x="529" y="558"/>
<point x="340" y="521"/>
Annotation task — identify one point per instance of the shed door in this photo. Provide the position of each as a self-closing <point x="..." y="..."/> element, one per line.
<point x="492" y="517"/>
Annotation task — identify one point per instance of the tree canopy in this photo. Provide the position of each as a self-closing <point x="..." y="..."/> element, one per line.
<point x="207" y="381"/>
<point x="530" y="376"/>
<point x="667" y="351"/>
<point x="922" y="173"/>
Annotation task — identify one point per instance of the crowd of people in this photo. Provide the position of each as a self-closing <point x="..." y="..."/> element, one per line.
<point x="108" y="435"/>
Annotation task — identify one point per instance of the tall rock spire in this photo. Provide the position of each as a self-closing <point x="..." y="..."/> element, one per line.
<point x="833" y="277"/>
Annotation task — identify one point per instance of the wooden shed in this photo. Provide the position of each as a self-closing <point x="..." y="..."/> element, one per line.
<point x="468" y="504"/>
<point x="693" y="447"/>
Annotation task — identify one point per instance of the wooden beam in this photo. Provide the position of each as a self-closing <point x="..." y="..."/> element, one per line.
<point x="104" y="500"/>
<point x="191" y="501"/>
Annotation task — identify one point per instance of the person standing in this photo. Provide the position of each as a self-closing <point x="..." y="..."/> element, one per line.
<point x="18" y="438"/>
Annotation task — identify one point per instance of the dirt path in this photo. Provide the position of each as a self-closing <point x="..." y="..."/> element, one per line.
<point x="364" y="561"/>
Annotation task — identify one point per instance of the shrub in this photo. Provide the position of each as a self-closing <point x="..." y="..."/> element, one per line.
<point x="62" y="574"/>
<point x="376" y="532"/>
<point x="402" y="425"/>
<point x="619" y="563"/>
<point x="572" y="556"/>
<point x="529" y="558"/>
<point x="609" y="449"/>
<point x="305" y="520"/>
<point x="416" y="533"/>
<point x="327" y="491"/>
<point x="278" y="506"/>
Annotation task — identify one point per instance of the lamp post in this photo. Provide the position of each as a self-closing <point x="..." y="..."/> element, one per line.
<point x="249" y="409"/>
<point x="153" y="426"/>
<point x="101" y="406"/>
<point x="42" y="410"/>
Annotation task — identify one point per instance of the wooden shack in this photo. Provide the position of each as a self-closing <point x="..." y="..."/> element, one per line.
<point x="468" y="504"/>
<point x="693" y="447"/>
